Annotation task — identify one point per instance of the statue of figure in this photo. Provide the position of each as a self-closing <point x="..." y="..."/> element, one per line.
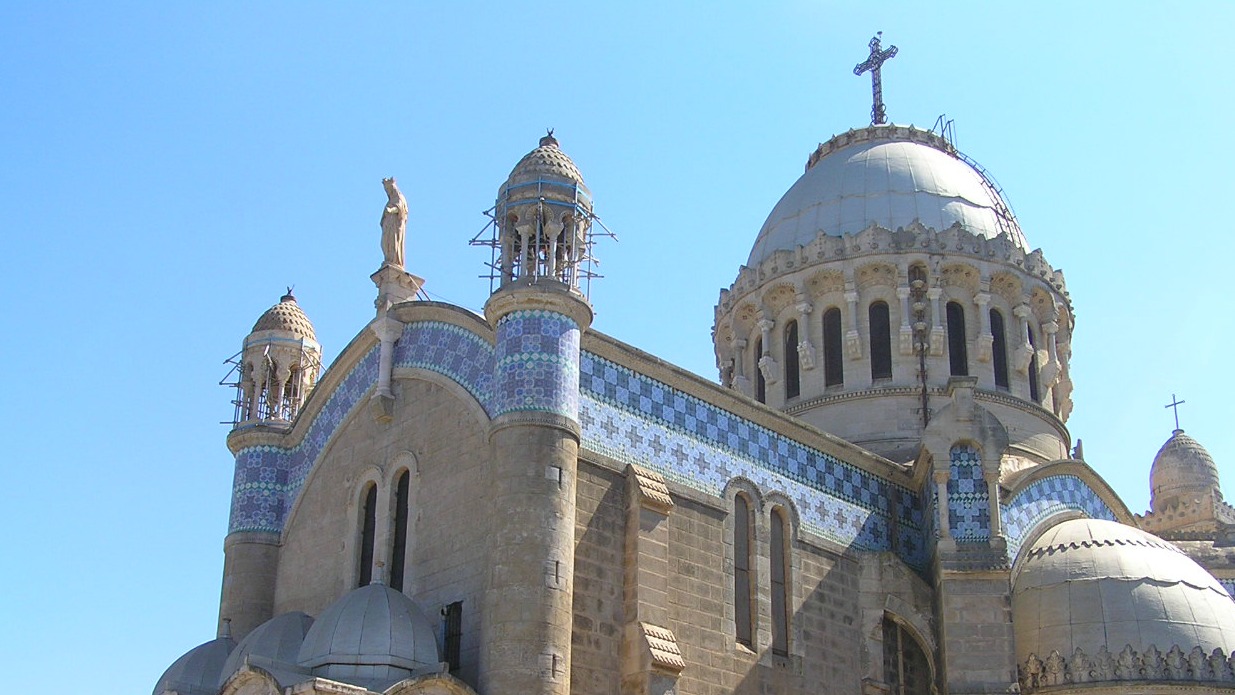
<point x="394" y="225"/>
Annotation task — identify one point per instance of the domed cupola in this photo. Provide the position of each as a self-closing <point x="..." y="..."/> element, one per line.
<point x="1183" y="472"/>
<point x="279" y="363"/>
<point x="373" y="635"/>
<point x="271" y="645"/>
<point x="892" y="265"/>
<point x="543" y="218"/>
<point x="1097" y="601"/>
<point x="197" y="671"/>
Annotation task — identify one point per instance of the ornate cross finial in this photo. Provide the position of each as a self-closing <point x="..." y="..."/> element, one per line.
<point x="1175" y="403"/>
<point x="876" y="59"/>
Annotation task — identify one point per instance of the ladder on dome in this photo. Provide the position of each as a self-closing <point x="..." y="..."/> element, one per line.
<point x="1005" y="216"/>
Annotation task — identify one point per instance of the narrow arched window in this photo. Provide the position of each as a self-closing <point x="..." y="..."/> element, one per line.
<point x="398" y="546"/>
<point x="958" y="355"/>
<point x="881" y="341"/>
<point x="1035" y="394"/>
<point x="833" y="360"/>
<point x="761" y="384"/>
<point x="368" y="531"/>
<point x="1000" y="347"/>
<point x="905" y="668"/>
<point x="779" y="542"/>
<point x="743" y="587"/>
<point x="793" y="382"/>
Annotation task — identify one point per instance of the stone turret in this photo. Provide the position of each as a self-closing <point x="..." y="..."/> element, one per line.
<point x="281" y="361"/>
<point x="543" y="214"/>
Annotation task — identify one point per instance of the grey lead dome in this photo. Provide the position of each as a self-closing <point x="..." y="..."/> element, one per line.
<point x="891" y="176"/>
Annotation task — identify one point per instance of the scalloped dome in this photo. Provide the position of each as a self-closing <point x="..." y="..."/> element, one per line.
<point x="277" y="639"/>
<point x="1090" y="583"/>
<point x="1183" y="471"/>
<point x="197" y="671"/>
<point x="286" y="316"/>
<point x="891" y="176"/>
<point x="547" y="161"/>
<point x="372" y="633"/>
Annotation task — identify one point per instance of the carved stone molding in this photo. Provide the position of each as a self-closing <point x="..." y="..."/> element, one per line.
<point x="1174" y="665"/>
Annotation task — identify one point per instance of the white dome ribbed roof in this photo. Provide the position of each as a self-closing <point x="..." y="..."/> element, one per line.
<point x="1183" y="471"/>
<point x="891" y="176"/>
<point x="277" y="639"/>
<point x="373" y="626"/>
<point x="197" y="671"/>
<point x="1090" y="583"/>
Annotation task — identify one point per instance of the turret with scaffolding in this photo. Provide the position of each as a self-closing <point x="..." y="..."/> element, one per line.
<point x="276" y="369"/>
<point x="541" y="227"/>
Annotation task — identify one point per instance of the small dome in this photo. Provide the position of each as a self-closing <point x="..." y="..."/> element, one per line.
<point x="547" y="161"/>
<point x="891" y="176"/>
<point x="372" y="633"/>
<point x="277" y="639"/>
<point x="1183" y="471"/>
<point x="286" y="316"/>
<point x="197" y="672"/>
<point x="1090" y="583"/>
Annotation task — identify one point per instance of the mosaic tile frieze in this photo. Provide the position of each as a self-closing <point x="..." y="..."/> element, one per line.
<point x="969" y="500"/>
<point x="1044" y="498"/>
<point x="452" y="351"/>
<point x="635" y="419"/>
<point x="536" y="365"/>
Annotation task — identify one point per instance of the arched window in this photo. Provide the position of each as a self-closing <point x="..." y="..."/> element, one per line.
<point x="779" y="542"/>
<point x="743" y="587"/>
<point x="881" y="341"/>
<point x="368" y="531"/>
<point x="958" y="355"/>
<point x="761" y="384"/>
<point x="1034" y="391"/>
<point x="1000" y="347"/>
<point x="793" y="382"/>
<point x="398" y="547"/>
<point x="905" y="668"/>
<point x="833" y="360"/>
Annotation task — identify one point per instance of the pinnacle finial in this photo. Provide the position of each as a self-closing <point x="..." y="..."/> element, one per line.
<point x="1175" y="403"/>
<point x="548" y="140"/>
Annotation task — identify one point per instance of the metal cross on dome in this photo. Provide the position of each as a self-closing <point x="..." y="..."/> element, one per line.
<point x="876" y="60"/>
<point x="1175" y="403"/>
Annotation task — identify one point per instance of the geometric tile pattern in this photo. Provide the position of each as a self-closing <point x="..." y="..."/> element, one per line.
<point x="537" y="364"/>
<point x="969" y="500"/>
<point x="452" y="351"/>
<point x="636" y="419"/>
<point x="1045" y="497"/>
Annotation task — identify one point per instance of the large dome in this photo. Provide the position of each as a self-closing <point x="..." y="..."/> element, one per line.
<point x="1089" y="583"/>
<point x="891" y="176"/>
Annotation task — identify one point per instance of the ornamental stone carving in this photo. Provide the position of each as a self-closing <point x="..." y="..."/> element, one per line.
<point x="1129" y="665"/>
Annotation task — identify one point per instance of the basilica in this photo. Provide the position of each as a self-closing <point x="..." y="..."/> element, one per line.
<point x="878" y="495"/>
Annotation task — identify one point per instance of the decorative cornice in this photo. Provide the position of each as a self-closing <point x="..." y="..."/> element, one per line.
<point x="1151" y="665"/>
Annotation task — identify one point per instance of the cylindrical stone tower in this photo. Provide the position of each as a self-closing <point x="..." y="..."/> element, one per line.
<point x="543" y="216"/>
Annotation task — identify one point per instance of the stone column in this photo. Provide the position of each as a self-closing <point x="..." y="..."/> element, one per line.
<point x="1024" y="351"/>
<point x="534" y="450"/>
<point x="740" y="381"/>
<point x="853" y="340"/>
<point x="906" y="332"/>
<point x="806" y="345"/>
<point x="991" y="475"/>
<point x="938" y="336"/>
<point x="986" y="341"/>
<point x="767" y="364"/>
<point x="1051" y="371"/>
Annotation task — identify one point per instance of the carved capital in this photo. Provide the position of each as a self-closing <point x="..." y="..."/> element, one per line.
<point x="1022" y="311"/>
<point x="902" y="293"/>
<point x="982" y="299"/>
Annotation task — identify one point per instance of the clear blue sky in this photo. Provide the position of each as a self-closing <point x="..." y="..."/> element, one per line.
<point x="167" y="168"/>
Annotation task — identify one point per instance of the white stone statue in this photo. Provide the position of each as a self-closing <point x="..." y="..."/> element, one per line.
<point x="394" y="225"/>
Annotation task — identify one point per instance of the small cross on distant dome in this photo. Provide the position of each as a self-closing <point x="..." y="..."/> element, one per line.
<point x="1175" y="403"/>
<point x="873" y="63"/>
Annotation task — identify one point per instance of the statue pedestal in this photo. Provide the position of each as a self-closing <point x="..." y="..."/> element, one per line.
<point x="394" y="285"/>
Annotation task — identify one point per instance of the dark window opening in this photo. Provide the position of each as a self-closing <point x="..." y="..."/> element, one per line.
<point x="452" y="634"/>
<point x="743" y="589"/>
<point x="905" y="668"/>
<point x="1035" y="394"/>
<point x="780" y="590"/>
<point x="398" y="548"/>
<point x="793" y="382"/>
<point x="368" y="530"/>
<point x="833" y="359"/>
<point x="1000" y="347"/>
<point x="881" y="341"/>
<point x="958" y="355"/>
<point x="761" y="384"/>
